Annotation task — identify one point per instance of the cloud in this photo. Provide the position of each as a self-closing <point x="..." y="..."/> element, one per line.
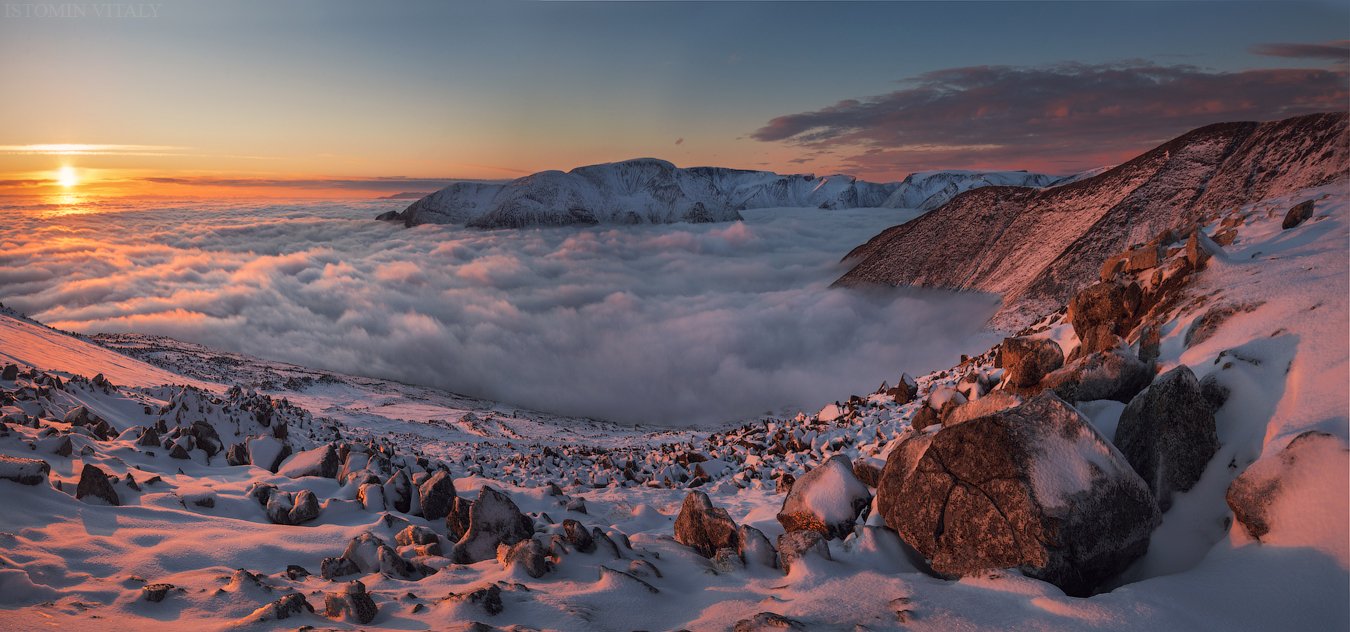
<point x="1338" y="51"/>
<point x="1052" y="118"/>
<point x="81" y="149"/>
<point x="683" y="324"/>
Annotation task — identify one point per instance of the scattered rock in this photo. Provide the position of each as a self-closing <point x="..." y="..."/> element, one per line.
<point x="237" y="454"/>
<point x="704" y="527"/>
<point x="795" y="545"/>
<point x="94" y="484"/>
<point x="1208" y="323"/>
<point x="1114" y="374"/>
<point x="1167" y="434"/>
<point x="1027" y="360"/>
<point x="286" y="607"/>
<point x="1311" y="460"/>
<point x="23" y="471"/>
<point x="352" y="603"/>
<point x="493" y="519"/>
<point x="155" y="593"/>
<point x="1033" y="487"/>
<point x="489" y="598"/>
<point x="1297" y="214"/>
<point x="827" y="499"/>
<point x="528" y="555"/>
<point x="436" y="495"/>
<point x="767" y="622"/>
<point x="576" y="535"/>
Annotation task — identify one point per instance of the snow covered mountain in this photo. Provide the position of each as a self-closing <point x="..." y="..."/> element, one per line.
<point x="1034" y="247"/>
<point x="651" y="191"/>
<point x="927" y="190"/>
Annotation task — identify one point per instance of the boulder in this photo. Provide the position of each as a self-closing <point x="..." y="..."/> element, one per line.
<point x="493" y="520"/>
<point x="868" y="470"/>
<point x="1114" y="374"/>
<point x="321" y="461"/>
<point x="795" y="545"/>
<point x="306" y="507"/>
<point x="987" y="405"/>
<point x="1313" y="466"/>
<point x="266" y="451"/>
<point x="576" y="535"/>
<point x="10" y="373"/>
<point x="155" y="593"/>
<point x="827" y="499"/>
<point x="755" y="548"/>
<point x="398" y="491"/>
<point x="457" y="521"/>
<point x="237" y="454"/>
<point x="413" y="535"/>
<point x="489" y="598"/>
<point x="436" y="494"/>
<point x="291" y="605"/>
<point x="94" y="484"/>
<point x="1033" y="487"/>
<point x="704" y="527"/>
<point x="1027" y="360"/>
<point x="1297" y="214"/>
<point x="352" y="603"/>
<point x="1167" y="434"/>
<point x="1102" y="310"/>
<point x="767" y="622"/>
<point x="23" y="471"/>
<point x="204" y="436"/>
<point x="528" y="554"/>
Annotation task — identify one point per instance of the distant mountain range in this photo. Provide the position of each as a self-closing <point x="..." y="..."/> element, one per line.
<point x="1036" y="246"/>
<point x="651" y="191"/>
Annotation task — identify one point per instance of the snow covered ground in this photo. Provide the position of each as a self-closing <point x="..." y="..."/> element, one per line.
<point x="65" y="562"/>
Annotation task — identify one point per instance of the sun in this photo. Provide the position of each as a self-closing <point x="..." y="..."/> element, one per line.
<point x="65" y="176"/>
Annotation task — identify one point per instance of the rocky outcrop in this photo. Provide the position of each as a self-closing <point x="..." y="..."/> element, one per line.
<point x="1036" y="247"/>
<point x="1033" y="487"/>
<point x="1111" y="374"/>
<point x="1026" y="360"/>
<point x="1167" y="434"/>
<point x="1311" y="459"/>
<point x="826" y="499"/>
<point x="703" y="527"/>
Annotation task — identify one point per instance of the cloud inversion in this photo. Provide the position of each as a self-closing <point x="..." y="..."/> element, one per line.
<point x="668" y="324"/>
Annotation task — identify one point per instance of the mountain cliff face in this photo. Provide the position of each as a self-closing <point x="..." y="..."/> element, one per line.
<point x="650" y="191"/>
<point x="1035" y="246"/>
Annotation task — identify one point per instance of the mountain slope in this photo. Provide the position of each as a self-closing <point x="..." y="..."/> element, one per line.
<point x="1034" y="247"/>
<point x="651" y="191"/>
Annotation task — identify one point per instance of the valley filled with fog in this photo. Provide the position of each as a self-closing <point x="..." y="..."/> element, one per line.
<point x="679" y="325"/>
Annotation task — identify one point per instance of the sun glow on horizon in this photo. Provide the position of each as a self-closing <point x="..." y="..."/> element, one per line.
<point x="66" y="177"/>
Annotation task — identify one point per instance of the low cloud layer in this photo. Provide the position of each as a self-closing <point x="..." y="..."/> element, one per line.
<point x="1060" y="118"/>
<point x="675" y="325"/>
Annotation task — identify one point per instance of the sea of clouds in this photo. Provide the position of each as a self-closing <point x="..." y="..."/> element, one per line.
<point x="681" y="324"/>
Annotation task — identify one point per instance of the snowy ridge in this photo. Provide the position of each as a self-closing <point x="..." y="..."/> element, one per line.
<point x="651" y="191"/>
<point x="1035" y="247"/>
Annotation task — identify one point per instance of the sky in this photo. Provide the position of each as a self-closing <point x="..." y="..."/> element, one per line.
<point x="368" y="99"/>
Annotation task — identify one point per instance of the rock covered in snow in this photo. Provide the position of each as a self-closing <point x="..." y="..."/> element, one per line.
<point x="528" y="554"/>
<point x="494" y="519"/>
<point x="1033" y="487"/>
<point x="1167" y="434"/>
<point x="23" y="471"/>
<point x="351" y="603"/>
<point x="1312" y="460"/>
<point x="826" y="499"/>
<point x="704" y="527"/>
<point x="321" y="461"/>
<point x="796" y="545"/>
<point x="1114" y="374"/>
<point x="436" y="494"/>
<point x="1026" y="360"/>
<point x="288" y="606"/>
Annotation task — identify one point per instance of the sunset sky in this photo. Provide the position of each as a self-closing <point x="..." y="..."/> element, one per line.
<point x="351" y="99"/>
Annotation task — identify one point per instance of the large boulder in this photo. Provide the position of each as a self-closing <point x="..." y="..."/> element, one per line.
<point x="703" y="527"/>
<point x="1167" y="434"/>
<point x="1297" y="214"/>
<point x="1026" y="360"/>
<point x="1311" y="469"/>
<point x="1102" y="311"/>
<point x="493" y="519"/>
<point x="94" y="484"/>
<point x="321" y="461"/>
<point x="436" y="495"/>
<point x="827" y="499"/>
<point x="1033" y="487"/>
<point x="1114" y="373"/>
